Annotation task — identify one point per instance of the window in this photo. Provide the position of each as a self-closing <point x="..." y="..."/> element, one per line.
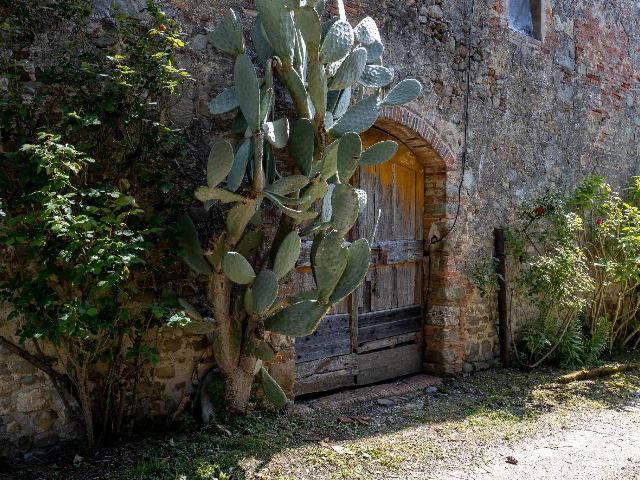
<point x="525" y="16"/>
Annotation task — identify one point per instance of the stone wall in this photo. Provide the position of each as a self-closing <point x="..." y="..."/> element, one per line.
<point x="540" y="114"/>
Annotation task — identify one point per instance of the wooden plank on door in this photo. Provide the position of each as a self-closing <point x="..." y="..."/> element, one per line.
<point x="386" y="364"/>
<point x="325" y="374"/>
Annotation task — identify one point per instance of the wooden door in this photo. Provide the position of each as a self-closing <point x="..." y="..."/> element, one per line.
<point x="375" y="334"/>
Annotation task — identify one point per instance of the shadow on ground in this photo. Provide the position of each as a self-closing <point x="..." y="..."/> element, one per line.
<point x="241" y="450"/>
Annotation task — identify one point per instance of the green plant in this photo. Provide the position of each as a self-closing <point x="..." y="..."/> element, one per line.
<point x="83" y="254"/>
<point x="577" y="257"/>
<point x="321" y="64"/>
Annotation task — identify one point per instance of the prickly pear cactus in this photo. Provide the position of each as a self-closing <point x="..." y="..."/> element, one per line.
<point x="334" y="74"/>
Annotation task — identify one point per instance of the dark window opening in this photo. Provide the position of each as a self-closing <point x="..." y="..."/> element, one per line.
<point x="525" y="16"/>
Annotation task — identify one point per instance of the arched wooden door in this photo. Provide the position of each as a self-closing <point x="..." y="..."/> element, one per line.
<point x="375" y="334"/>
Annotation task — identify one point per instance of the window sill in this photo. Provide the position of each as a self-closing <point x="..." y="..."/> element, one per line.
<point x="522" y="39"/>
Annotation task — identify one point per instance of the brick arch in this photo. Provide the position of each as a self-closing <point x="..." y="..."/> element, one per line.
<point x="443" y="333"/>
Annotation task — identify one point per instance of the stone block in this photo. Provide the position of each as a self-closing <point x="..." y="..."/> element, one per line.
<point x="32" y="400"/>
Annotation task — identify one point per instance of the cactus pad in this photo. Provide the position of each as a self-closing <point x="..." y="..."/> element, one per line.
<point x="404" y="92"/>
<point x="345" y="208"/>
<point x="298" y="319"/>
<point x="234" y="179"/>
<point x="227" y="35"/>
<point x="301" y="144"/>
<point x="337" y="42"/>
<point x="376" y="76"/>
<point x="272" y="390"/>
<point x="329" y="262"/>
<point x="288" y="254"/>
<point x="379" y="153"/>
<point x="192" y="252"/>
<point x="219" y="162"/>
<point x="237" y="268"/>
<point x="367" y="31"/>
<point x="277" y="132"/>
<point x="358" y="118"/>
<point x="358" y="257"/>
<point x="224" y="102"/>
<point x="348" y="154"/>
<point x="289" y="184"/>
<point x="350" y="70"/>
<point x="225" y="196"/>
<point x="264" y="291"/>
<point x="279" y="29"/>
<point x="247" y="90"/>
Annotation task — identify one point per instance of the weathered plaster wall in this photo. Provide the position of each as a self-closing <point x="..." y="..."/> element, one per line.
<point x="540" y="114"/>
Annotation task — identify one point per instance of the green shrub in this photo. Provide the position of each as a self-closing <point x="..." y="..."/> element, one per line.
<point x="576" y="256"/>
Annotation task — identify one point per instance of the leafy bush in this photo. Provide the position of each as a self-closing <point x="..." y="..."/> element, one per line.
<point x="577" y="256"/>
<point x="82" y="255"/>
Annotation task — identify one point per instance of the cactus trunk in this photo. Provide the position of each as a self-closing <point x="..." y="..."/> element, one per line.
<point x="237" y="385"/>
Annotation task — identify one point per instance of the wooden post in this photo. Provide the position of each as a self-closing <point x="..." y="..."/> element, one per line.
<point x="503" y="321"/>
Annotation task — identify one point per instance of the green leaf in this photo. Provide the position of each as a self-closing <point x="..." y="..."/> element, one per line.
<point x="207" y="193"/>
<point x="350" y="70"/>
<point x="404" y="92"/>
<point x="308" y="22"/>
<point x="192" y="252"/>
<point x="358" y="257"/>
<point x="278" y="27"/>
<point x="358" y="118"/>
<point x="374" y="51"/>
<point x="367" y="32"/>
<point x="376" y="76"/>
<point x="329" y="262"/>
<point x="342" y="104"/>
<point x="260" y="42"/>
<point x="247" y="90"/>
<point x="288" y="254"/>
<point x="250" y="243"/>
<point x="264" y="291"/>
<point x="219" y="162"/>
<point x="240" y="162"/>
<point x="297" y="320"/>
<point x="317" y="83"/>
<point x="272" y="390"/>
<point x="288" y="184"/>
<point x="237" y="268"/>
<point x="224" y="102"/>
<point x="227" y="35"/>
<point x="329" y="164"/>
<point x="277" y="132"/>
<point x="301" y="144"/>
<point x="345" y="207"/>
<point x="238" y="218"/>
<point x="297" y="215"/>
<point x="348" y="154"/>
<point x="379" y="153"/>
<point x="337" y="43"/>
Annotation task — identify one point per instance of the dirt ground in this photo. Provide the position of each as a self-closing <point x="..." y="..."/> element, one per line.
<point x="500" y="424"/>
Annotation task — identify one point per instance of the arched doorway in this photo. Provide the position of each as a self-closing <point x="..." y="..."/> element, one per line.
<point x="378" y="332"/>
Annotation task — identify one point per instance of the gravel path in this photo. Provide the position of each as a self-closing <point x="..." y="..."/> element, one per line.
<point x="603" y="446"/>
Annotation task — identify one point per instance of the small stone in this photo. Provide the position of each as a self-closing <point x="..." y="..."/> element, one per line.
<point x="434" y="11"/>
<point x="385" y="402"/>
<point x="77" y="460"/>
<point x="431" y="390"/>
